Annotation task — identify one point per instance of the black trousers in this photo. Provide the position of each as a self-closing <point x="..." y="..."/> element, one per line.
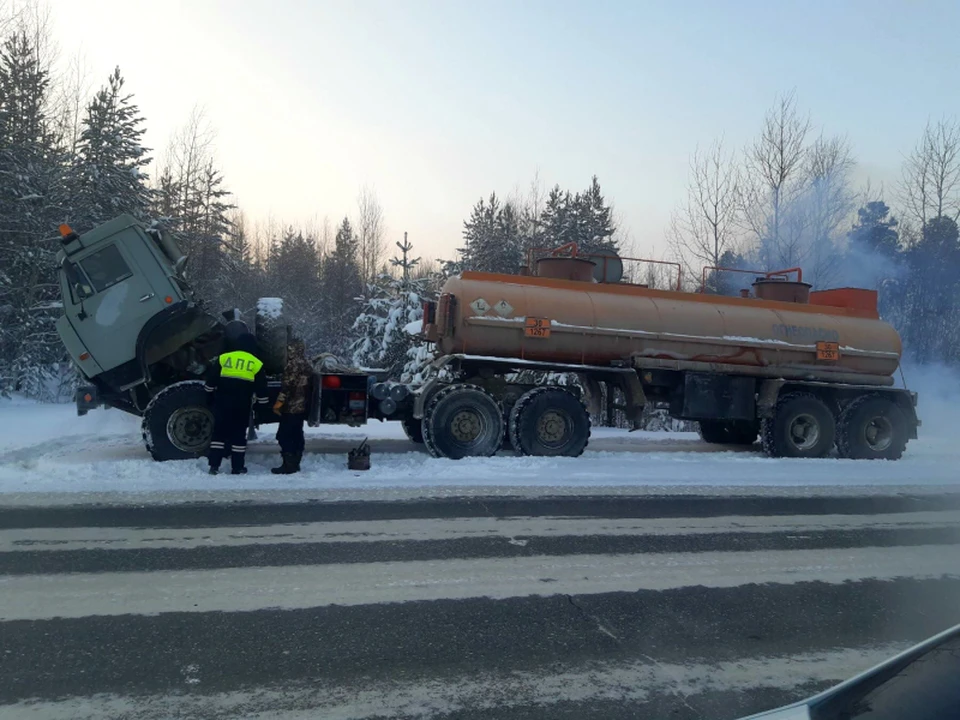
<point x="230" y="423"/>
<point x="290" y="433"/>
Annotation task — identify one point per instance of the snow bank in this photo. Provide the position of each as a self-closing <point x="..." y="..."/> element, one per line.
<point x="28" y="424"/>
<point x="47" y="448"/>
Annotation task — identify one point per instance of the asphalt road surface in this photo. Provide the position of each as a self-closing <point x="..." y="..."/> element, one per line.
<point x="565" y="607"/>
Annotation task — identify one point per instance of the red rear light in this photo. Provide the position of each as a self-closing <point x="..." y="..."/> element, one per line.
<point x="88" y="398"/>
<point x="331" y="381"/>
<point x="85" y="356"/>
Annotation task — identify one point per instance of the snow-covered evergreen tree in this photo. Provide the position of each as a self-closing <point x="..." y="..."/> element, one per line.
<point x="492" y="241"/>
<point x="584" y="218"/>
<point x="390" y="319"/>
<point x="293" y="271"/>
<point x="32" y="204"/>
<point x="109" y="173"/>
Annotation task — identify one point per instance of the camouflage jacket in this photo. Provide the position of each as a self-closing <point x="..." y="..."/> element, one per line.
<point x="295" y="384"/>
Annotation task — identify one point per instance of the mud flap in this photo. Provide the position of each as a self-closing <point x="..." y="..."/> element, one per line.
<point x="87" y="399"/>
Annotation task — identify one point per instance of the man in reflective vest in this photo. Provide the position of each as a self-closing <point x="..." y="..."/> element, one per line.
<point x="233" y="380"/>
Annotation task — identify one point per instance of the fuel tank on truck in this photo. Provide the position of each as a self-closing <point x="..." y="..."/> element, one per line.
<point x="832" y="335"/>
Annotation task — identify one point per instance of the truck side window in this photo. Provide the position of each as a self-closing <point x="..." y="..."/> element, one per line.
<point x="105" y="268"/>
<point x="79" y="286"/>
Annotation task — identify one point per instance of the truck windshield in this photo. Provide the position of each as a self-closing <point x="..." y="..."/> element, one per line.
<point x="105" y="268"/>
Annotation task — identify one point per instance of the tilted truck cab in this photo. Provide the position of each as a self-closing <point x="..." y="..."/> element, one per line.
<point x="143" y="342"/>
<point x="130" y="320"/>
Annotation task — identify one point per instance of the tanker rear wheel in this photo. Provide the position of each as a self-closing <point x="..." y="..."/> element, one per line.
<point x="413" y="429"/>
<point x="872" y="428"/>
<point x="549" y="421"/>
<point x="729" y="432"/>
<point x="802" y="427"/>
<point x="463" y="421"/>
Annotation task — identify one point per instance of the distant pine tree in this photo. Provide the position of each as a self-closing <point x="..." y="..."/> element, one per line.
<point x="109" y="168"/>
<point x="342" y="287"/>
<point x="585" y="219"/>
<point x="932" y="293"/>
<point x="875" y="230"/>
<point x="492" y="241"/>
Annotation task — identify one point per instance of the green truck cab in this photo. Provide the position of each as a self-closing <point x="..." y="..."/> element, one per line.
<point x="143" y="342"/>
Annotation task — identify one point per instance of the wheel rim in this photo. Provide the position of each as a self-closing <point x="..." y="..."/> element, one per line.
<point x="553" y="428"/>
<point x="879" y="433"/>
<point x="804" y="431"/>
<point x="190" y="429"/>
<point x="467" y="426"/>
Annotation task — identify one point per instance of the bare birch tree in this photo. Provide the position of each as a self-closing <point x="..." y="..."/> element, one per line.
<point x="930" y="184"/>
<point x="73" y="92"/>
<point x="706" y="225"/>
<point x="774" y="179"/>
<point x="371" y="228"/>
<point x="827" y="206"/>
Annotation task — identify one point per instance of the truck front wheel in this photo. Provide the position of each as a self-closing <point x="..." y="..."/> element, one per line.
<point x="549" y="421"/>
<point x="178" y="424"/>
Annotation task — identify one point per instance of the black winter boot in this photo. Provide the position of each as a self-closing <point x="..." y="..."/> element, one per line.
<point x="295" y="459"/>
<point x="237" y="464"/>
<point x="284" y="468"/>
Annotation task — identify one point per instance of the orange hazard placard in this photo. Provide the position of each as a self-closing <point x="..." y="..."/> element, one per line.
<point x="537" y="327"/>
<point x="829" y="351"/>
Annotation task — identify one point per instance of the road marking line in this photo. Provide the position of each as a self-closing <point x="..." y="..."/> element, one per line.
<point x="80" y="595"/>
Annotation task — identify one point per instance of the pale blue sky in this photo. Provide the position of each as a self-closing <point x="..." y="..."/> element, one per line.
<point x="435" y="103"/>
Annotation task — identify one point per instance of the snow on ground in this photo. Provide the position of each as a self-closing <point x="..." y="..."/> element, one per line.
<point x="47" y="448"/>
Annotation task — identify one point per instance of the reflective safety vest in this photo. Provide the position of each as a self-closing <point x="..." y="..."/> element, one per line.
<point x="240" y="365"/>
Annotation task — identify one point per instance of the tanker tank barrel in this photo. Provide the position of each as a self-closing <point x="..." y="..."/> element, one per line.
<point x="738" y="362"/>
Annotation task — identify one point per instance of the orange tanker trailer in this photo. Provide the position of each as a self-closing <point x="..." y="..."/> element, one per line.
<point x="804" y="370"/>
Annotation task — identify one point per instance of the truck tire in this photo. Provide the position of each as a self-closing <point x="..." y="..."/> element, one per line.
<point x="872" y="428"/>
<point x="548" y="421"/>
<point x="729" y="432"/>
<point x="272" y="333"/>
<point x="178" y="423"/>
<point x="463" y="421"/>
<point x="413" y="429"/>
<point x="802" y="427"/>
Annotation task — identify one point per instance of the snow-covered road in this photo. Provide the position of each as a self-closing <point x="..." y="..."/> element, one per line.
<point x="48" y="449"/>
<point x="586" y="607"/>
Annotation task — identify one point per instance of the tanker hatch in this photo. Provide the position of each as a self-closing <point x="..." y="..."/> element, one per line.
<point x="782" y="290"/>
<point x="566" y="268"/>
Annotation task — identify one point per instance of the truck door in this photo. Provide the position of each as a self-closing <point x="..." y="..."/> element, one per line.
<point x="117" y="301"/>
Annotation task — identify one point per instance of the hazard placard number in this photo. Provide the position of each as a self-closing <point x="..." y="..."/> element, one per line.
<point x="537" y="327"/>
<point x="829" y="351"/>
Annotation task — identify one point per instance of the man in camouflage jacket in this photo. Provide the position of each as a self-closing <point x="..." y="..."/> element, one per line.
<point x="291" y="406"/>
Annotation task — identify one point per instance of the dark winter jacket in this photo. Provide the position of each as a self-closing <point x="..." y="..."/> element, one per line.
<point x="297" y="374"/>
